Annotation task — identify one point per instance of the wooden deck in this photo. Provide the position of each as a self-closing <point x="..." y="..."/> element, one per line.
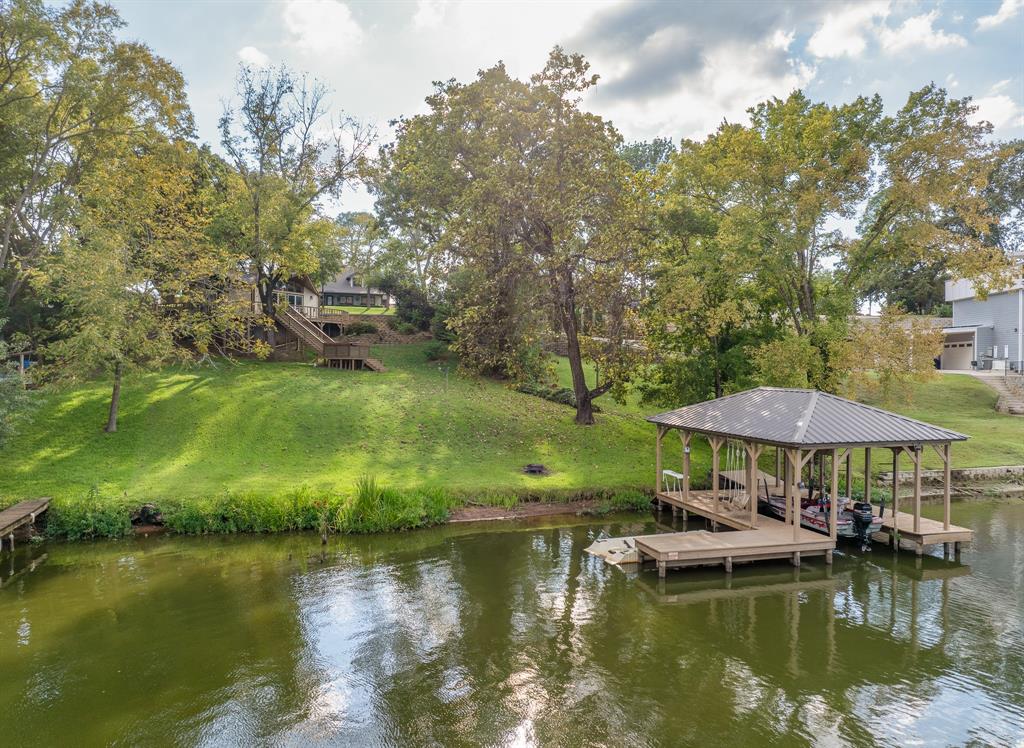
<point x="929" y="532"/>
<point x="702" y="503"/>
<point x="19" y="515"/>
<point x="752" y="538"/>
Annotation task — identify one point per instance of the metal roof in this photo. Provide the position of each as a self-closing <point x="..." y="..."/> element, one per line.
<point x="802" y="418"/>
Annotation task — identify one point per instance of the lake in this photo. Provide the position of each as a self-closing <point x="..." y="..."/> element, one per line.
<point x="508" y="634"/>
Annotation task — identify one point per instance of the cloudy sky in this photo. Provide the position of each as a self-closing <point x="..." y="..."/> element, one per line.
<point x="671" y="69"/>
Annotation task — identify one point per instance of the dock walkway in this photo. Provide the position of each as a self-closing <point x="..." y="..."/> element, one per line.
<point x="19" y="515"/>
<point x="770" y="539"/>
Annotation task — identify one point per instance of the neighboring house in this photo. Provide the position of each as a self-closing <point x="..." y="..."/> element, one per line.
<point x="986" y="333"/>
<point x="298" y="291"/>
<point x="346" y="289"/>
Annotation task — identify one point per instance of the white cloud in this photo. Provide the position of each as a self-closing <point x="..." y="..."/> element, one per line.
<point x="1000" y="85"/>
<point x="843" y="33"/>
<point x="951" y="81"/>
<point x="254" y="57"/>
<point x="429" y="13"/>
<point x="918" y="32"/>
<point x="1007" y="10"/>
<point x="321" y="26"/>
<point x="733" y="77"/>
<point x="1000" y="110"/>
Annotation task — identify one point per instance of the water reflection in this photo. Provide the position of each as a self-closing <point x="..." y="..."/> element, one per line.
<point x="505" y="635"/>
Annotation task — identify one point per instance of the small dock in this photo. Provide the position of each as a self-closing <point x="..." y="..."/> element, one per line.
<point x="922" y="532"/>
<point x="770" y="539"/>
<point x="19" y="515"/>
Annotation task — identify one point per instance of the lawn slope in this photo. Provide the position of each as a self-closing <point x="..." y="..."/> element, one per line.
<point x="268" y="428"/>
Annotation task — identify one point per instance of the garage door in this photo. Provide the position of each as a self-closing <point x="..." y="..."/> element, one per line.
<point x="957" y="355"/>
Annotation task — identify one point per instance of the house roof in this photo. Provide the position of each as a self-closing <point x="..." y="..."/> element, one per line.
<point x="802" y="418"/>
<point x="340" y="283"/>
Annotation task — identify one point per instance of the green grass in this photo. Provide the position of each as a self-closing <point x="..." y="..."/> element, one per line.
<point x="272" y="427"/>
<point x="962" y="403"/>
<point x="277" y="446"/>
<point x="363" y="310"/>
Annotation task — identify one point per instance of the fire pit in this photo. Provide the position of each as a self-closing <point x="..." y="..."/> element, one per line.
<point x="535" y="468"/>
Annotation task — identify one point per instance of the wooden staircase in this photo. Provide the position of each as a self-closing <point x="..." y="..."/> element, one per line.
<point x="305" y="330"/>
<point x="325" y="346"/>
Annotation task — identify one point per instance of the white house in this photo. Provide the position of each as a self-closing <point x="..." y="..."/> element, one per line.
<point x="986" y="333"/>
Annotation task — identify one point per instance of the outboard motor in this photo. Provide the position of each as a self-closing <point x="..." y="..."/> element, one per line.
<point x="861" y="513"/>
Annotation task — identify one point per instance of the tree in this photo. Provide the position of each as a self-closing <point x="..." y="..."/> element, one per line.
<point x="530" y="195"/>
<point x="138" y="284"/>
<point x="71" y="93"/>
<point x="885" y="358"/>
<point x="776" y="190"/>
<point x="14" y="398"/>
<point x="648" y="154"/>
<point x="284" y="166"/>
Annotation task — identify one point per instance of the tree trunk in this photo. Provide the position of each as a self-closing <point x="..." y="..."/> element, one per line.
<point x="566" y="304"/>
<point x="115" y="400"/>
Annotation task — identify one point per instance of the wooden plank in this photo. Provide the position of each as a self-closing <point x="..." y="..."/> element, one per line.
<point x="22" y="513"/>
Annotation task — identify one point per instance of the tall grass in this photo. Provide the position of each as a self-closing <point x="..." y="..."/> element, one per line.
<point x="370" y="506"/>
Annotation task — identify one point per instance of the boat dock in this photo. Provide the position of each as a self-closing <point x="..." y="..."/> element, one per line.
<point x="813" y="436"/>
<point x="19" y="515"/>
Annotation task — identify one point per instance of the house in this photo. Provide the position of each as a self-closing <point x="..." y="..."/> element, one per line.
<point x="986" y="333"/>
<point x="346" y="289"/>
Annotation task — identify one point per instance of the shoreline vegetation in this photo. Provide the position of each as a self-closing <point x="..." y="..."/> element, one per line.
<point x="275" y="447"/>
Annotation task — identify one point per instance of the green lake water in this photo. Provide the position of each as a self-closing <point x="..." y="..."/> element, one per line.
<point x="508" y="635"/>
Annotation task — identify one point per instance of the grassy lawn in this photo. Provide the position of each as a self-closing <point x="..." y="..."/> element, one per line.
<point x="269" y="428"/>
<point x="962" y="403"/>
<point x="374" y="310"/>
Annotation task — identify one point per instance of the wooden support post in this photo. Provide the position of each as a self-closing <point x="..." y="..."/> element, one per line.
<point x="662" y="567"/>
<point x="849" y="474"/>
<point x="658" y="488"/>
<point x="895" y="497"/>
<point x="785" y="486"/>
<point x="956" y="551"/>
<point x="796" y="559"/>
<point x="867" y="474"/>
<point x="917" y="457"/>
<point x="728" y="564"/>
<point x="684" y="437"/>
<point x="828" y="560"/>
<point x="778" y="466"/>
<point x="753" y="453"/>
<point x="716" y="444"/>
<point x="795" y="493"/>
<point x="821" y="472"/>
<point x="833" y="496"/>
<point x="947" y="470"/>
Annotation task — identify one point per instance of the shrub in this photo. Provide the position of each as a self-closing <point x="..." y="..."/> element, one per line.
<point x="406" y="328"/>
<point x="377" y="508"/>
<point x="438" y="351"/>
<point x="91" y="516"/>
<point x="630" y="500"/>
<point x="560" y="395"/>
<point x="361" y="328"/>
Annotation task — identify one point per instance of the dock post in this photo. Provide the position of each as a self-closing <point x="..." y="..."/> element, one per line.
<point x="833" y="530"/>
<point x="728" y="564"/>
<point x="828" y="557"/>
<point x="956" y="551"/>
<point x="662" y="568"/>
<point x="684" y="437"/>
<point x="796" y="559"/>
<point x="918" y="455"/>
<point x="946" y="477"/>
<point x="716" y="444"/>
<point x="657" y="461"/>
<point x="867" y="474"/>
<point x="945" y="551"/>
<point x="895" y="498"/>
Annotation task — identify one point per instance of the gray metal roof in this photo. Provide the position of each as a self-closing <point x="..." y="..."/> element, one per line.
<point x="802" y="418"/>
